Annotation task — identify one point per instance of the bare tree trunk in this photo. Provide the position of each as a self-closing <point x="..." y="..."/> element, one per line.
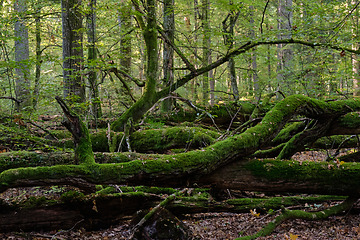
<point x="125" y="41"/>
<point x="206" y="48"/>
<point x="38" y="56"/>
<point x="194" y="82"/>
<point x="285" y="53"/>
<point x="228" y="29"/>
<point x="168" y="53"/>
<point x="354" y="59"/>
<point x="92" y="56"/>
<point x="254" y="75"/>
<point x="74" y="89"/>
<point x="22" y="90"/>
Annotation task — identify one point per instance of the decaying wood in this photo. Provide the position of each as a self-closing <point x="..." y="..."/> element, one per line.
<point x="95" y="211"/>
<point x="224" y="164"/>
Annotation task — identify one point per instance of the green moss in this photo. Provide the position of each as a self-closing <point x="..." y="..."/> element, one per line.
<point x="72" y="196"/>
<point x="306" y="171"/>
<point x="160" y="140"/>
<point x="288" y="131"/>
<point x="17" y="159"/>
<point x="16" y="138"/>
<point x="265" y="204"/>
<point x="32" y="202"/>
<point x="350" y="120"/>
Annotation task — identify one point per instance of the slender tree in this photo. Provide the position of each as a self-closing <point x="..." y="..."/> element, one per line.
<point x="38" y="53"/>
<point x="92" y="56"/>
<point x="228" y="29"/>
<point x="355" y="61"/>
<point x="125" y="23"/>
<point x="22" y="70"/>
<point x="285" y="53"/>
<point x="168" y="52"/>
<point x="206" y="54"/>
<point x="254" y="75"/>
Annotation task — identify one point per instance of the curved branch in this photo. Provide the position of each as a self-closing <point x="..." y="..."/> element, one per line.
<point x="244" y="48"/>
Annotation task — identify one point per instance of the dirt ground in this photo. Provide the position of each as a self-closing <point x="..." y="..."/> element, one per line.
<point x="222" y="226"/>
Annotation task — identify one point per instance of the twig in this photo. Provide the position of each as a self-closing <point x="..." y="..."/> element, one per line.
<point x="63" y="231"/>
<point x="263" y="16"/>
<point x="337" y="152"/>
<point x="12" y="98"/>
<point x="45" y="130"/>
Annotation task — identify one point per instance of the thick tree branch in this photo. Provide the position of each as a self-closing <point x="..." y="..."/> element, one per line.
<point x="244" y="48"/>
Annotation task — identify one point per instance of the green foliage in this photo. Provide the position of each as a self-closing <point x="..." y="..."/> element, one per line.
<point x="313" y="72"/>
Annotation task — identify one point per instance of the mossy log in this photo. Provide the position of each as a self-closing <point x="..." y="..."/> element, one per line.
<point x="102" y="210"/>
<point x="198" y="167"/>
<point x="156" y="140"/>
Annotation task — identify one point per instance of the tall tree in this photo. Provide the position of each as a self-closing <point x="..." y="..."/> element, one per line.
<point x="74" y="88"/>
<point x="285" y="53"/>
<point x="355" y="61"/>
<point x="38" y="53"/>
<point x="254" y="75"/>
<point x="22" y="90"/>
<point x="92" y="56"/>
<point x="168" y="52"/>
<point x="228" y="29"/>
<point x="206" y="55"/>
<point x="125" y="40"/>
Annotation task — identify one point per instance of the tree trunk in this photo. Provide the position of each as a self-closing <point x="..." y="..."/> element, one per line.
<point x="168" y="52"/>
<point x="125" y="39"/>
<point x="92" y="57"/>
<point x="285" y="53"/>
<point x="206" y="49"/>
<point x="228" y="29"/>
<point x="354" y="57"/>
<point x="38" y="56"/>
<point x="254" y="76"/>
<point x="22" y="89"/>
<point x="74" y="88"/>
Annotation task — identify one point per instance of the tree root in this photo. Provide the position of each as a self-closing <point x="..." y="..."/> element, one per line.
<point x="299" y="214"/>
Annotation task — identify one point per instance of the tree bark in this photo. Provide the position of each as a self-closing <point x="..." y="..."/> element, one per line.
<point x="102" y="210"/>
<point x="92" y="57"/>
<point x="168" y="52"/>
<point x="74" y="88"/>
<point x="22" y="89"/>
<point x="284" y="52"/>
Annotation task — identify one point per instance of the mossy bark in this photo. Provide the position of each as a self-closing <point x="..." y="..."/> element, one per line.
<point x="298" y="214"/>
<point x="108" y="206"/>
<point x="188" y="168"/>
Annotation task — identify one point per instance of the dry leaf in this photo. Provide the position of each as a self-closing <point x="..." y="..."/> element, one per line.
<point x="293" y="236"/>
<point x="254" y="213"/>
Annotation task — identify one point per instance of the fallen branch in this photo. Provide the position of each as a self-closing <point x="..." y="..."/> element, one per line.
<point x="299" y="214"/>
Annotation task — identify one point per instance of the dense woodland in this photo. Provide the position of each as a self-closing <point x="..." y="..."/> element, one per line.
<point x="174" y="108"/>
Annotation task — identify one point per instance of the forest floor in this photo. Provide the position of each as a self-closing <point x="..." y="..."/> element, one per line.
<point x="222" y="226"/>
<point x="216" y="226"/>
<point x="219" y="226"/>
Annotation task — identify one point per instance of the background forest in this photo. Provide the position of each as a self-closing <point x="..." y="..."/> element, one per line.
<point x="110" y="38"/>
